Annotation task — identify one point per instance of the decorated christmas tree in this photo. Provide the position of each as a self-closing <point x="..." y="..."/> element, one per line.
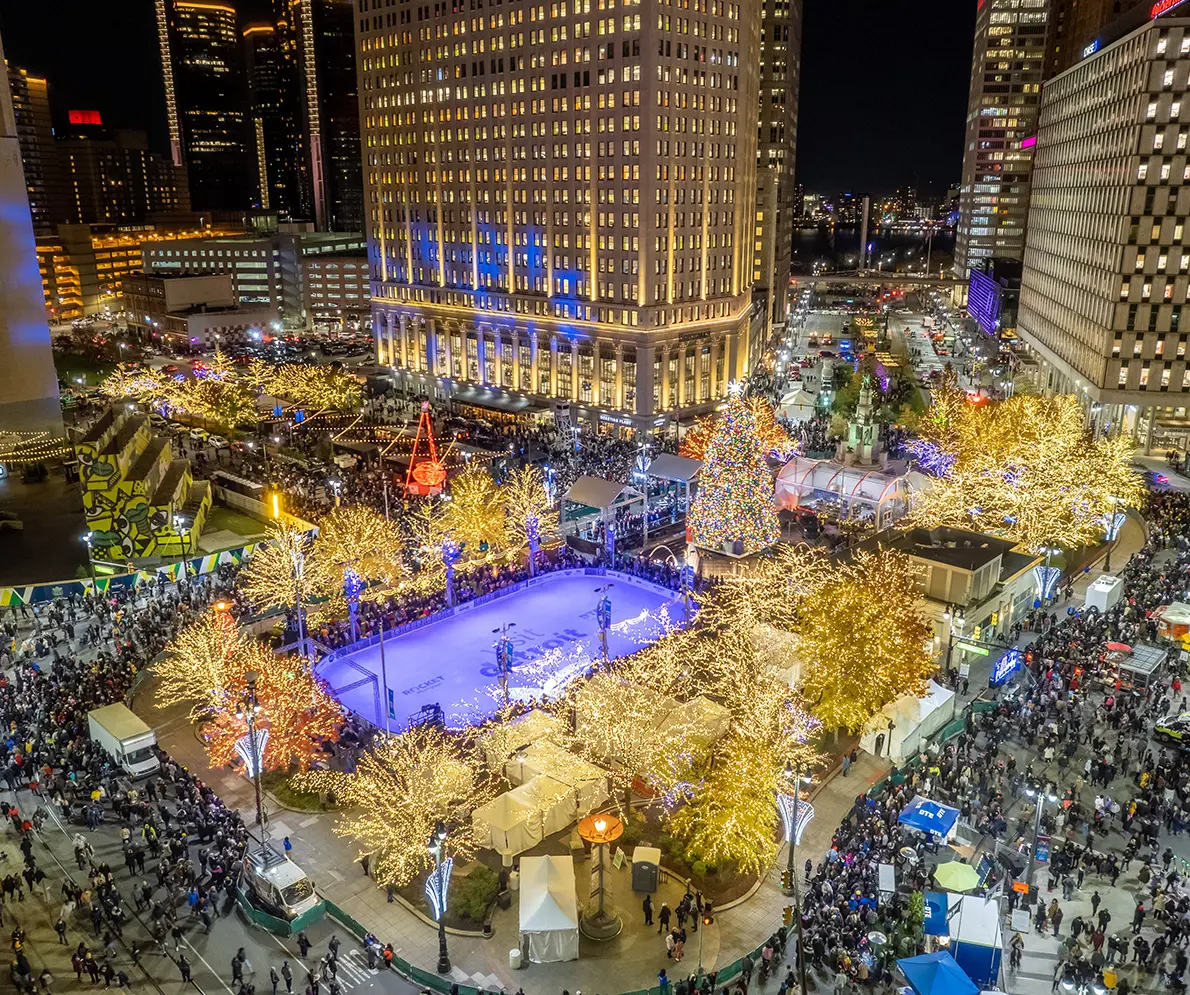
<point x="735" y="491"/>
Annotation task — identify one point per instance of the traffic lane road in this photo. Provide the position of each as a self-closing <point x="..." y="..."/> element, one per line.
<point x="209" y="954"/>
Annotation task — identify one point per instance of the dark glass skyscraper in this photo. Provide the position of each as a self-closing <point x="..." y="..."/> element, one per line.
<point x="325" y="31"/>
<point x="282" y="175"/>
<point x="206" y="101"/>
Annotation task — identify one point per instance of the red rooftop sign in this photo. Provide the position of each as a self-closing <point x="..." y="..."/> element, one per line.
<point x="87" y="117"/>
<point x="1161" y="6"/>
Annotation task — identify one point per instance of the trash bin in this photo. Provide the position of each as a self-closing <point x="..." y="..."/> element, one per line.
<point x="514" y="958"/>
<point x="646" y="868"/>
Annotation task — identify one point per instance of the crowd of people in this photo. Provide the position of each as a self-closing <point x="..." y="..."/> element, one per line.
<point x="1072" y="729"/>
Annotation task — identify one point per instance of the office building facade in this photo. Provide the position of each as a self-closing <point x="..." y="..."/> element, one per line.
<point x="28" y="381"/>
<point x="206" y="101"/>
<point x="1107" y="262"/>
<point x="39" y="155"/>
<point x="1007" y="69"/>
<point x="560" y="201"/>
<point x="337" y="289"/>
<point x="777" y="202"/>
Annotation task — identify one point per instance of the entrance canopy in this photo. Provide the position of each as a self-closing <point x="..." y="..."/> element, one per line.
<point x="929" y="816"/>
<point x="601" y="495"/>
<point x="667" y="466"/>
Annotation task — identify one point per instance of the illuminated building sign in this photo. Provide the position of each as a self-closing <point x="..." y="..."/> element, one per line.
<point x="984" y="301"/>
<point x="84" y="117"/>
<point x="1163" y="6"/>
<point x="1091" y="49"/>
<point x="1005" y="667"/>
<point x="1028" y="143"/>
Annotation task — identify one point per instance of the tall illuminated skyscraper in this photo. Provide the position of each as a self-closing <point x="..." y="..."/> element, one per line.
<point x="28" y="381"/>
<point x="776" y="184"/>
<point x="559" y="201"/>
<point x="39" y="155"/>
<point x="207" y="102"/>
<point x="1007" y="70"/>
<point x="282" y="174"/>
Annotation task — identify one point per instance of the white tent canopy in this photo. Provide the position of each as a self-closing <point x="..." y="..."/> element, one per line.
<point x="907" y="722"/>
<point x="797" y="405"/>
<point x="551" y="760"/>
<point x="699" y="720"/>
<point x="589" y="724"/>
<point x="504" y="740"/>
<point x="518" y="820"/>
<point x="549" y="909"/>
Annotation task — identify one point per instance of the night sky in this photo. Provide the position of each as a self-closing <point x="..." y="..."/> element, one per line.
<point x="883" y="93"/>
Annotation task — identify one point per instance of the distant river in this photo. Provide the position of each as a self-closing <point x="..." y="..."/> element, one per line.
<point x="811" y="245"/>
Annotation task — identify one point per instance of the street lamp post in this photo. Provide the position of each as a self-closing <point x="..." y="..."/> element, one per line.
<point x="248" y="711"/>
<point x="503" y="657"/>
<point x="437" y="841"/>
<point x="1040" y="794"/>
<point x="793" y="830"/>
<point x="89" y="538"/>
<point x="1113" y="533"/>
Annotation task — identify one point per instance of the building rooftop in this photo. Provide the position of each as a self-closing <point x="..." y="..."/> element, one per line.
<point x="953" y="547"/>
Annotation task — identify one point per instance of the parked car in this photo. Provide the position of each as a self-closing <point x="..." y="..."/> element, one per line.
<point x="217" y="442"/>
<point x="199" y="435"/>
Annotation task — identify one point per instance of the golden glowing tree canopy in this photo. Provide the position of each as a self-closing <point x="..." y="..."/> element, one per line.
<point x="356" y="547"/>
<point x="1027" y="468"/>
<point x="474" y="517"/>
<point x="398" y="793"/>
<point x="862" y="639"/>
<point x="278" y="574"/>
<point x="296" y="707"/>
<point x="200" y="660"/>
<point x="530" y="516"/>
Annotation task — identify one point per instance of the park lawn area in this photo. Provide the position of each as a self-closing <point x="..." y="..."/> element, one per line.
<point x="70" y="366"/>
<point x="279" y="785"/>
<point x="223" y="519"/>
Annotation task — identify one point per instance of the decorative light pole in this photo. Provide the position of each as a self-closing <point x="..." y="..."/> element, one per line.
<point x="437" y="886"/>
<point x="353" y="586"/>
<point x="248" y="710"/>
<point x="89" y="538"/>
<point x="503" y="656"/>
<point x="298" y="558"/>
<point x="603" y="616"/>
<point x="451" y="551"/>
<point x="795" y="816"/>
<point x="1114" y="523"/>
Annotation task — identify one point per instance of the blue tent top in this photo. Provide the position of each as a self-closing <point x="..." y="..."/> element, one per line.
<point x="937" y="974"/>
<point x="929" y="816"/>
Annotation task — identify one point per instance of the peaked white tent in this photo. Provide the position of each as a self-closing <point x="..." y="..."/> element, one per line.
<point x="518" y="820"/>
<point x="699" y="720"/>
<point x="797" y="405"/>
<point x="506" y="739"/>
<point x="551" y="760"/>
<point x="549" y="909"/>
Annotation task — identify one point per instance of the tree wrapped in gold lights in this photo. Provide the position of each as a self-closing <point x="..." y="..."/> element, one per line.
<point x="733" y="815"/>
<point x="296" y="708"/>
<point x="398" y="793"/>
<point x="531" y="518"/>
<point x="735" y="493"/>
<point x="355" y="546"/>
<point x="863" y="640"/>
<point x="278" y="575"/>
<point x="1027" y="468"/>
<point x="201" y="660"/>
<point x="474" y="517"/>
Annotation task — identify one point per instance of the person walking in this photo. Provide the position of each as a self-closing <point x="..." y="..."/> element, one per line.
<point x="274" y="978"/>
<point x="60" y="929"/>
<point x="287" y="974"/>
<point x="237" y="970"/>
<point x="303" y="942"/>
<point x="184" y="967"/>
<point x="663" y="918"/>
<point x="647" y="907"/>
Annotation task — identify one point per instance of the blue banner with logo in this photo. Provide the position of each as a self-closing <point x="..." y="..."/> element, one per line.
<point x="936" y="909"/>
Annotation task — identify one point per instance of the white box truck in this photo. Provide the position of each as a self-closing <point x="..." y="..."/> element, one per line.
<point x="126" y="737"/>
